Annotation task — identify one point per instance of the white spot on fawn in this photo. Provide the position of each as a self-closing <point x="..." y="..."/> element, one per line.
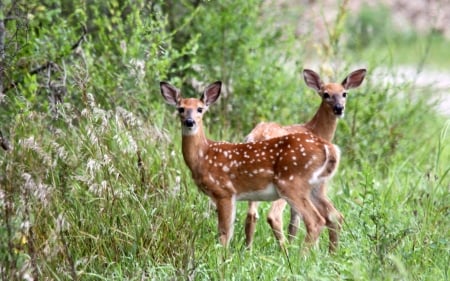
<point x="309" y="163"/>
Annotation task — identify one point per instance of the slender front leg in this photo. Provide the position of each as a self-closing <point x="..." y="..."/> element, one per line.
<point x="226" y="211"/>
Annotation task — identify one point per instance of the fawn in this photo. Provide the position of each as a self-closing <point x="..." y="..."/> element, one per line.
<point x="323" y="124"/>
<point x="291" y="167"/>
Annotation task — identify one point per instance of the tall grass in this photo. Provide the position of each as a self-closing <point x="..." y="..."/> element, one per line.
<point x="102" y="193"/>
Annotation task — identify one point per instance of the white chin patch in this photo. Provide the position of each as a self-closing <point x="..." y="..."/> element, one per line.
<point x="188" y="131"/>
<point x="340" y="115"/>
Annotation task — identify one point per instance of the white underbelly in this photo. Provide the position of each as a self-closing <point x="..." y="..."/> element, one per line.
<point x="269" y="193"/>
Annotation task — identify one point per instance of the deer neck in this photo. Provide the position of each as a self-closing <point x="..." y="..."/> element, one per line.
<point x="324" y="123"/>
<point x="194" y="147"/>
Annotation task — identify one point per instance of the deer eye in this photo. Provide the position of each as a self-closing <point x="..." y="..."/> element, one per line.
<point x="180" y="109"/>
<point x="344" y="94"/>
<point x="326" y="95"/>
<point x="200" y="109"/>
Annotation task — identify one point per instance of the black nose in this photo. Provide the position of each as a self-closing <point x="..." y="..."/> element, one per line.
<point x="189" y="123"/>
<point x="338" y="109"/>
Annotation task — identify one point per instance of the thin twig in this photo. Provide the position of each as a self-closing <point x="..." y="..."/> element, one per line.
<point x="286" y="254"/>
<point x="49" y="63"/>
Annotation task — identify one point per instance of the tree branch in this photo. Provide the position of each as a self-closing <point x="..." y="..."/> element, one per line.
<point x="49" y="63"/>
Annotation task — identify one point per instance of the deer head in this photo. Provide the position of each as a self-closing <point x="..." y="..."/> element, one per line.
<point x="288" y="167"/>
<point x="334" y="94"/>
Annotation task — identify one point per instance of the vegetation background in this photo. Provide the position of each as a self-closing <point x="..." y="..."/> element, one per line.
<point x="92" y="182"/>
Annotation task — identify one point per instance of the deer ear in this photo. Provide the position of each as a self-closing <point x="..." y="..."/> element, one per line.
<point x="211" y="93"/>
<point x="170" y="94"/>
<point x="354" y="79"/>
<point x="312" y="79"/>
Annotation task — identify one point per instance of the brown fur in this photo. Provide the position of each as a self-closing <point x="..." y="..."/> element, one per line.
<point x="288" y="167"/>
<point x="323" y="124"/>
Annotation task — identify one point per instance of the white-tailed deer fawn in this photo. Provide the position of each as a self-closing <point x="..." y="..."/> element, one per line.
<point x="323" y="124"/>
<point x="289" y="167"/>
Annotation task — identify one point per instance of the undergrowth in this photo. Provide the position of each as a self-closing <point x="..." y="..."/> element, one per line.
<point x="95" y="188"/>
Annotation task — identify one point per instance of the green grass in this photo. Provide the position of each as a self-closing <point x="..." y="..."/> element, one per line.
<point x="104" y="194"/>
<point x="77" y="204"/>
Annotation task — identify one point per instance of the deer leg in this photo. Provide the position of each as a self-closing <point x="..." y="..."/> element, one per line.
<point x="275" y="219"/>
<point x="226" y="211"/>
<point x="297" y="194"/>
<point x="332" y="216"/>
<point x="293" y="225"/>
<point x="250" y="222"/>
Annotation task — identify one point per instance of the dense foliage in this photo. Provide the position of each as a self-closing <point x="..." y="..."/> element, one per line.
<point x="92" y="182"/>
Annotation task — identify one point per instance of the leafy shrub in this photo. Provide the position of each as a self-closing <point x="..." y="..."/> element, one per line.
<point x="372" y="25"/>
<point x="236" y="47"/>
<point x="94" y="185"/>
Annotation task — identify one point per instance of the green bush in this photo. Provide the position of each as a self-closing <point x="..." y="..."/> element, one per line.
<point x="236" y="47"/>
<point x="94" y="186"/>
<point x="372" y="25"/>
